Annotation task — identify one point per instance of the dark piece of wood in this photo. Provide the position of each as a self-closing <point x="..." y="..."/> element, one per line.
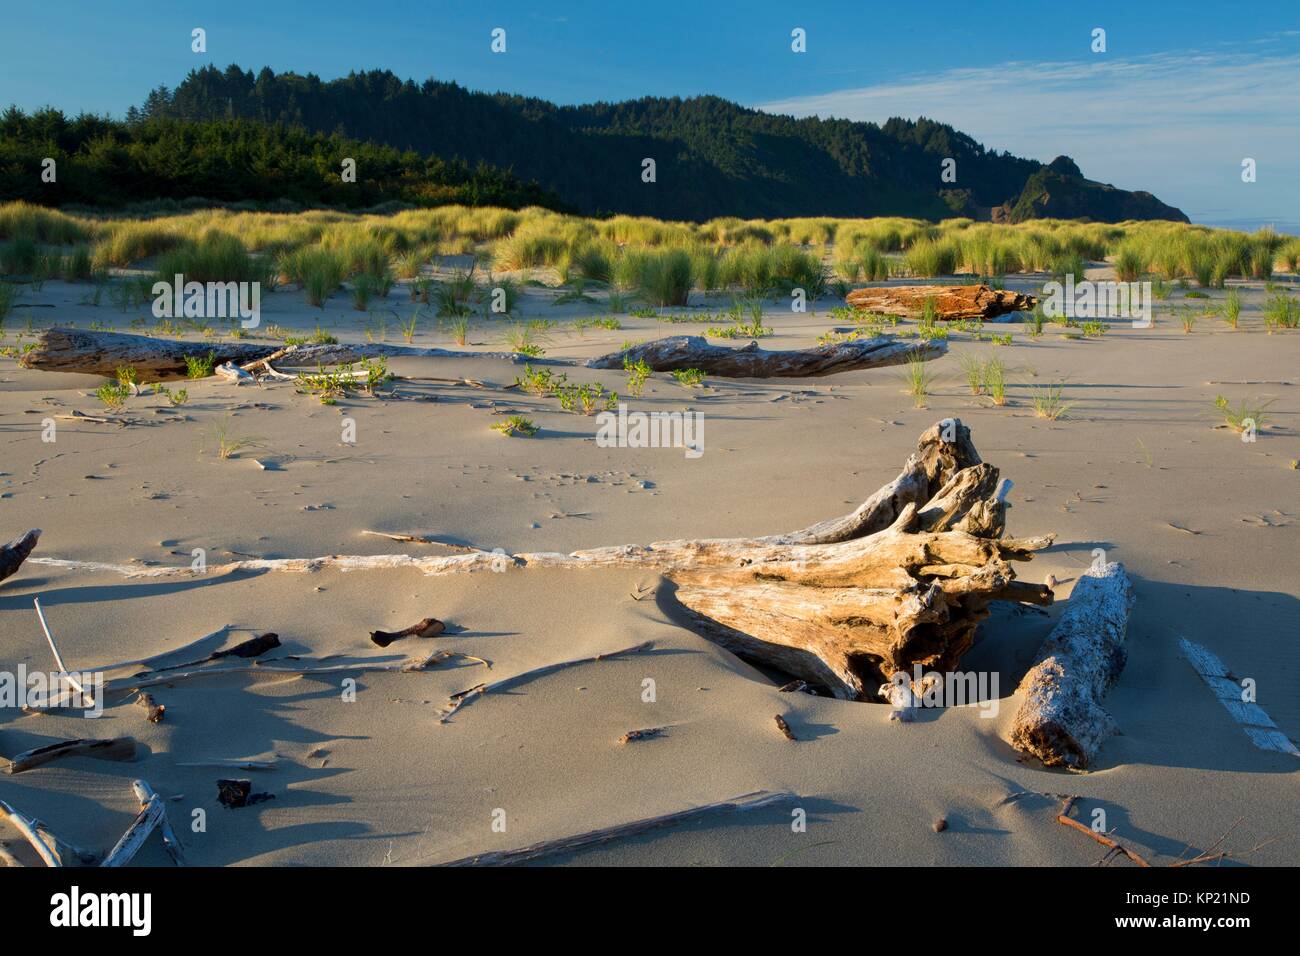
<point x="1060" y="719"/>
<point x="694" y="351"/>
<point x="782" y="726"/>
<point x="950" y="301"/>
<point x="253" y="647"/>
<point x="113" y="748"/>
<point x="428" y="627"/>
<point x="153" y="711"/>
<point x="13" y="554"/>
<point x="234" y="794"/>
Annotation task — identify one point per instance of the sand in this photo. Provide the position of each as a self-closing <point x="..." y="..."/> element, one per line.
<point x="381" y="781"/>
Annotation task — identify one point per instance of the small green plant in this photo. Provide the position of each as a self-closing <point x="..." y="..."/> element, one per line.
<point x="586" y="399"/>
<point x="1049" y="400"/>
<point x="200" y="366"/>
<point x="1004" y="339"/>
<point x="113" y="395"/>
<point x="409" y="326"/>
<point x="516" y="425"/>
<point x="689" y="377"/>
<point x="1245" y="415"/>
<point x="376" y="373"/>
<point x="638" y="373"/>
<point x="228" y="444"/>
<point x="319" y="337"/>
<point x="1094" y="329"/>
<point x="1187" y="318"/>
<point x="540" y="381"/>
<point x="519" y="339"/>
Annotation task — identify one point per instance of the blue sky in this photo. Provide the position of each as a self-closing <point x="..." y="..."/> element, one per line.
<point x="1183" y="93"/>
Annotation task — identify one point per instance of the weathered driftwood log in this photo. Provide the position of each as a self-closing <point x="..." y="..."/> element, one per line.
<point x="13" y="554"/>
<point x="950" y="301"/>
<point x="1061" y="720"/>
<point x="694" y="351"/>
<point x="102" y="353"/>
<point x="110" y="748"/>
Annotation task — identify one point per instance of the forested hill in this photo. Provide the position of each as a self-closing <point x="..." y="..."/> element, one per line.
<point x="713" y="157"/>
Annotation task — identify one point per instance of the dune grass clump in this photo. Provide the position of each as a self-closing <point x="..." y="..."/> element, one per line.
<point x="1130" y="262"/>
<point x="666" y="278"/>
<point x="19" y="256"/>
<point x="215" y="257"/>
<point x="995" y="380"/>
<point x="1232" y="308"/>
<point x="932" y="258"/>
<point x="1049" y="400"/>
<point x="1281" y="311"/>
<point x="8" y="296"/>
<point x="917" y="379"/>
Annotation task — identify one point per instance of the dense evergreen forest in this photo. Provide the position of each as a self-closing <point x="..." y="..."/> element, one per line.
<point x="437" y="142"/>
<point x="106" y="163"/>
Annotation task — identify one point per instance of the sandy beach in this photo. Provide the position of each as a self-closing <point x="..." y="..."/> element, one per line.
<point x="365" y="772"/>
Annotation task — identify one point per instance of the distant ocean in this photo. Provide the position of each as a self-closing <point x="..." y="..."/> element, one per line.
<point x="1290" y="226"/>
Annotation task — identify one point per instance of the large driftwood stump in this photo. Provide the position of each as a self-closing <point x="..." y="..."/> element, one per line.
<point x="950" y="301"/>
<point x="13" y="554"/>
<point x="694" y="351"/>
<point x="1061" y="720"/>
<point x="846" y="603"/>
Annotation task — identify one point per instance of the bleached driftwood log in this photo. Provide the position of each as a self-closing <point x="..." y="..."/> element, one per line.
<point x="102" y="353"/>
<point x="950" y="301"/>
<point x="13" y="554"/>
<point x="694" y="351"/>
<point x="152" y="814"/>
<point x="110" y="748"/>
<point x="1061" y="720"/>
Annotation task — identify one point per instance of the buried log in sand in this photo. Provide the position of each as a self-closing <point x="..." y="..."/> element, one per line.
<point x="695" y="352"/>
<point x="1061" y="720"/>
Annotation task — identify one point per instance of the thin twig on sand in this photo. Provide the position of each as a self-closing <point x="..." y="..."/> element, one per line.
<point x="457" y="700"/>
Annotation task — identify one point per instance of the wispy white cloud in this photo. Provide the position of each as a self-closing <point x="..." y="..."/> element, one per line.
<point x="1177" y="124"/>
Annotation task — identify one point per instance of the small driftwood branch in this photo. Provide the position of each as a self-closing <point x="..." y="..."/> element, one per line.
<point x="784" y="727"/>
<point x="51" y="850"/>
<point x="1115" y="848"/>
<point x="1060" y="719"/>
<point x="747" y="801"/>
<point x="58" y="658"/>
<point x="461" y="697"/>
<point x="426" y="627"/>
<point x="694" y="351"/>
<point x="113" y="748"/>
<point x="13" y="554"/>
